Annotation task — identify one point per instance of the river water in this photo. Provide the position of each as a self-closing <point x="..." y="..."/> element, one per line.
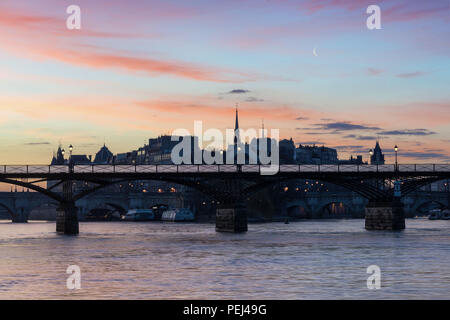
<point x="321" y="259"/>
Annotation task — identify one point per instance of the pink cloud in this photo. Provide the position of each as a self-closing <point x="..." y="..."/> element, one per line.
<point x="374" y="71"/>
<point x="411" y="74"/>
<point x="46" y="37"/>
<point x="31" y="23"/>
<point x="313" y="6"/>
<point x="407" y="12"/>
<point x="143" y="65"/>
<point x="392" y="10"/>
<point x="192" y="110"/>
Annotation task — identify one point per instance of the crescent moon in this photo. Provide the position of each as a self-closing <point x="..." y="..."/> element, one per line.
<point x="315" y="52"/>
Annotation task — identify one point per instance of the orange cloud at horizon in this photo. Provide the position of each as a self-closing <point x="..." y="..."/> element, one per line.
<point x="151" y="117"/>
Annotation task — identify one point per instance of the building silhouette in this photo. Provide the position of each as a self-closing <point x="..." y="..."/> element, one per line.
<point x="287" y="151"/>
<point x="159" y="151"/>
<point x="58" y="158"/>
<point x="237" y="138"/>
<point x="315" y="155"/>
<point x="103" y="156"/>
<point x="352" y="160"/>
<point x="377" y="157"/>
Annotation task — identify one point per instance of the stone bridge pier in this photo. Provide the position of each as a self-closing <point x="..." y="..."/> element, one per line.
<point x="385" y="215"/>
<point x="66" y="214"/>
<point x="231" y="216"/>
<point x="67" y="218"/>
<point x="20" y="215"/>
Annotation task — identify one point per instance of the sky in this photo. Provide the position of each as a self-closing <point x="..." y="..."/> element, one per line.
<point x="312" y="69"/>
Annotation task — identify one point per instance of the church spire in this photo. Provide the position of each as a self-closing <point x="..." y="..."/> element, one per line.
<point x="236" y="127"/>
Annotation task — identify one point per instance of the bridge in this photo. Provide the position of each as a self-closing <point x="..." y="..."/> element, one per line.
<point x="230" y="185"/>
<point x="293" y="203"/>
<point x="22" y="206"/>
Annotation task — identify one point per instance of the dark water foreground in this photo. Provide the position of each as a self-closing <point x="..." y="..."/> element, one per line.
<point x="323" y="259"/>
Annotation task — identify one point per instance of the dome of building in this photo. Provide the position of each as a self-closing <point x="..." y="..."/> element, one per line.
<point x="103" y="156"/>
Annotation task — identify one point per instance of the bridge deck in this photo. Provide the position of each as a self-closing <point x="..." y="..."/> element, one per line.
<point x="344" y="168"/>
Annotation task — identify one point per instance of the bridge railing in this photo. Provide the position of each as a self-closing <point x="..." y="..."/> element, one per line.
<point x="30" y="169"/>
<point x="36" y="169"/>
<point x="49" y="169"/>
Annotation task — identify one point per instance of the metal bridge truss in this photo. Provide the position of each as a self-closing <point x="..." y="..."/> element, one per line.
<point x="228" y="183"/>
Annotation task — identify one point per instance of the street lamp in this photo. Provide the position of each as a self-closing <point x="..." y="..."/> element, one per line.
<point x="70" y="158"/>
<point x="371" y="153"/>
<point x="396" y="151"/>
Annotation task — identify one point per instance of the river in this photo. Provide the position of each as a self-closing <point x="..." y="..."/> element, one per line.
<point x="311" y="259"/>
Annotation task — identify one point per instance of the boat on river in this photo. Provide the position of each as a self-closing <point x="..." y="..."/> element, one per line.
<point x="180" y="214"/>
<point x="445" y="214"/>
<point x="139" y="215"/>
<point x="102" y="215"/>
<point x="158" y="210"/>
<point x="439" y="214"/>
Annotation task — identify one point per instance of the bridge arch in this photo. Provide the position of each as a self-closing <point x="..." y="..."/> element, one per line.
<point x="33" y="187"/>
<point x="117" y="207"/>
<point x="220" y="192"/>
<point x="364" y="191"/>
<point x="49" y="209"/>
<point x="336" y="209"/>
<point x="207" y="190"/>
<point x="366" y="187"/>
<point x="423" y="207"/>
<point x="11" y="213"/>
<point x="197" y="185"/>
<point x="89" y="205"/>
<point x="298" y="209"/>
